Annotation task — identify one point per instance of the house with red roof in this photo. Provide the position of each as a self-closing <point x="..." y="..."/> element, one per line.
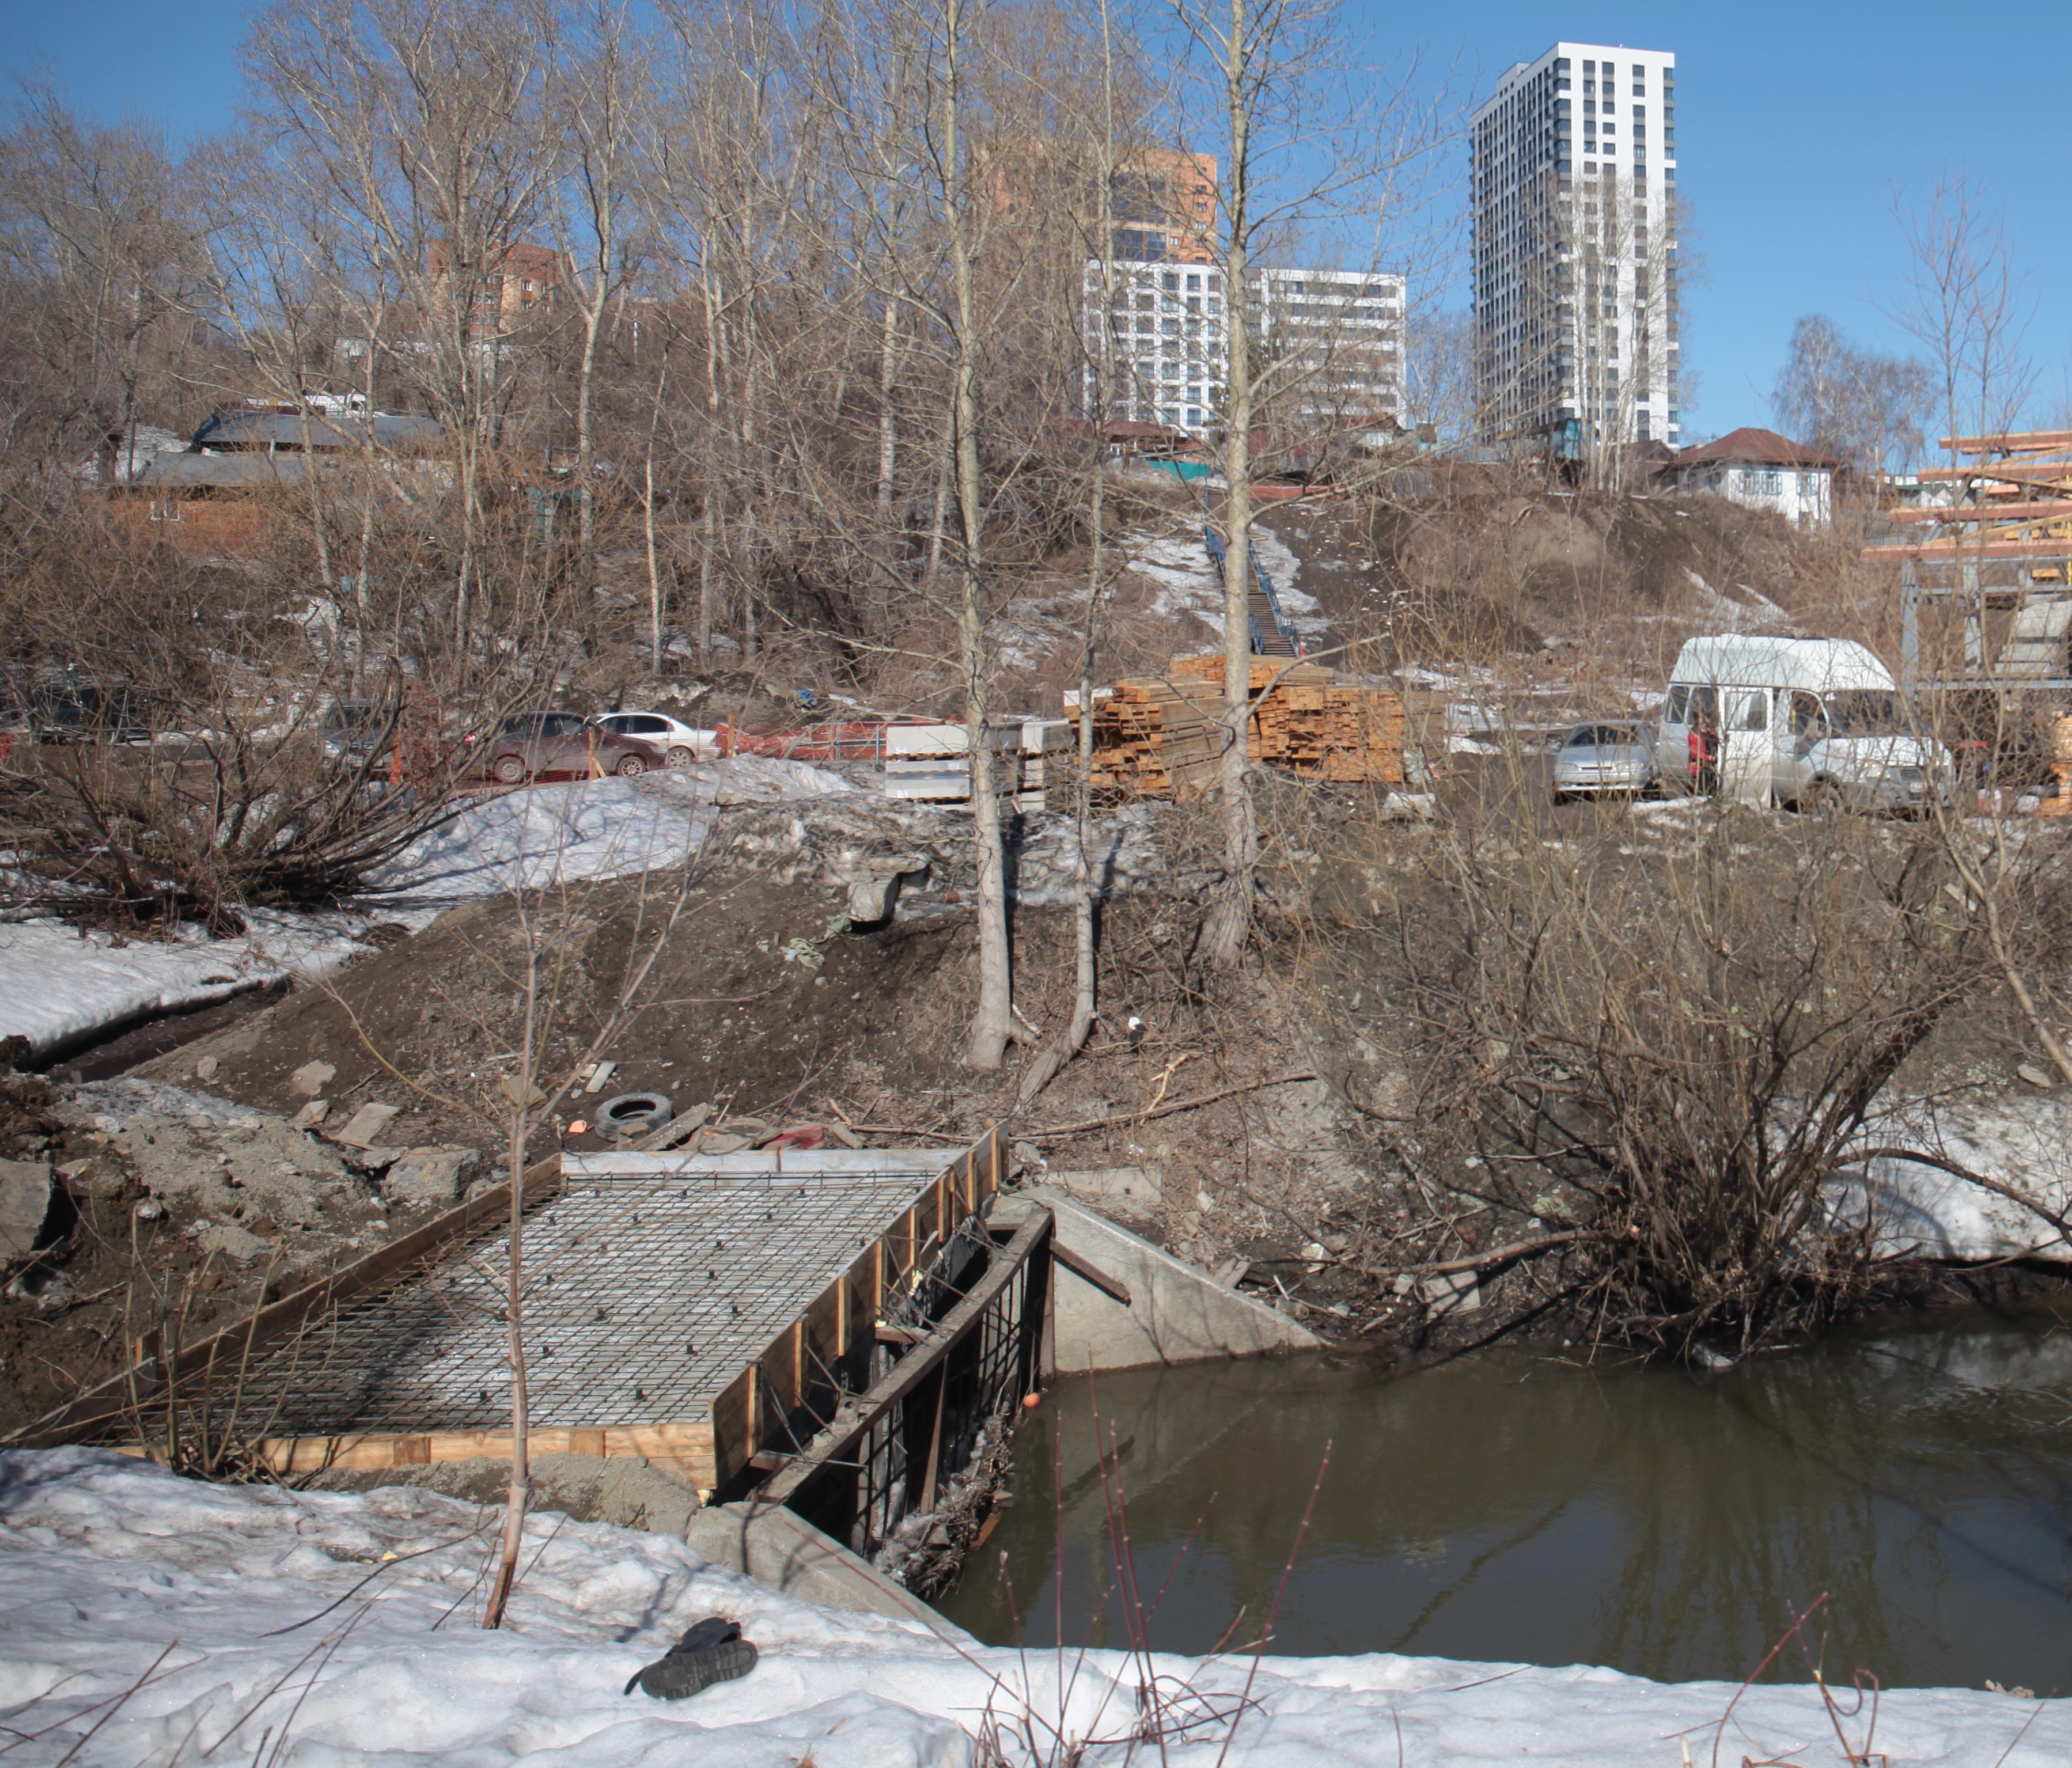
<point x="1762" y="470"/>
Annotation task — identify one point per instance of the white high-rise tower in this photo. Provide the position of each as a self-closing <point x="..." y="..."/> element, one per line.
<point x="1572" y="205"/>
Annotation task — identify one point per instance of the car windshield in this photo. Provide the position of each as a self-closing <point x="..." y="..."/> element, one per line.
<point x="1591" y="736"/>
<point x="1864" y="713"/>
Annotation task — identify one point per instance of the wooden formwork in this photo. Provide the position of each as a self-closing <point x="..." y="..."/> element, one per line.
<point x="790" y="1392"/>
<point x="782" y="1398"/>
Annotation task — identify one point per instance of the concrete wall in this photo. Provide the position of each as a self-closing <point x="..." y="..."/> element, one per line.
<point x="780" y="1547"/>
<point x="1177" y="1314"/>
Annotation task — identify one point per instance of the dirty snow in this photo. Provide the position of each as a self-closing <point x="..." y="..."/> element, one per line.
<point x="1185" y="576"/>
<point x="2023" y="1140"/>
<point x="59" y="985"/>
<point x="1757" y="610"/>
<point x="542" y="836"/>
<point x="150" y="1617"/>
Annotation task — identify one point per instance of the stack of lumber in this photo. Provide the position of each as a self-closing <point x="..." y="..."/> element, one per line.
<point x="2060" y="804"/>
<point x="1308" y="721"/>
<point x="1157" y="737"/>
<point x="1153" y="740"/>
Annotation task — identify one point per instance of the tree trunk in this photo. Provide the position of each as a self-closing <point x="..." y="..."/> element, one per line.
<point x="514" y="1313"/>
<point x="993" y="1022"/>
<point x="1222" y="939"/>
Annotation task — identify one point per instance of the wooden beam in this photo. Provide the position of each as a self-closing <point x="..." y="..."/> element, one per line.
<point x="1112" y="1286"/>
<point x="2044" y="551"/>
<point x="686" y="1449"/>
<point x="857" y="1414"/>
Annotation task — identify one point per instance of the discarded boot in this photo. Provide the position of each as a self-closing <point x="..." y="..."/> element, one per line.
<point x="712" y="1651"/>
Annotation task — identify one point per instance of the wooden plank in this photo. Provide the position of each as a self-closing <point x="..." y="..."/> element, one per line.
<point x="857" y="1415"/>
<point x="686" y="1448"/>
<point x="1112" y="1286"/>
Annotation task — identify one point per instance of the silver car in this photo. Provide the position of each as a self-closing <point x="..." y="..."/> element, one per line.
<point x="1604" y="757"/>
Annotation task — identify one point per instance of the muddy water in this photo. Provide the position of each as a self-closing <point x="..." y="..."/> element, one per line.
<point x="1514" y="1507"/>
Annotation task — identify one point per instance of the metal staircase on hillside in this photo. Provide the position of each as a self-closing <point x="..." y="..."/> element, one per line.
<point x="1272" y="634"/>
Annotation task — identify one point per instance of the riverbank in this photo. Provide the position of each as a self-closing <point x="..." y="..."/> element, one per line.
<point x="153" y="1612"/>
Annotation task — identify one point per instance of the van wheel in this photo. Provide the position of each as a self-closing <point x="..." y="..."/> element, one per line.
<point x="1822" y="798"/>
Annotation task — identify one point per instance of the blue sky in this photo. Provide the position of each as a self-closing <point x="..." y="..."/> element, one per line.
<point x="1798" y="127"/>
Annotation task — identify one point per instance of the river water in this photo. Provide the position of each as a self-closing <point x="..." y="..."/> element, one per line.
<point x="1517" y="1507"/>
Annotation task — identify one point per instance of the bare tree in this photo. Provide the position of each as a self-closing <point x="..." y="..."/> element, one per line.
<point x="1862" y="407"/>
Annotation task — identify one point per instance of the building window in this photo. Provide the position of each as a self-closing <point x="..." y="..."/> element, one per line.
<point x="1760" y="484"/>
<point x="1193" y="416"/>
<point x="1172" y="282"/>
<point x="1194" y="287"/>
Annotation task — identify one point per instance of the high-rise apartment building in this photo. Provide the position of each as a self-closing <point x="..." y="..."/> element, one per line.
<point x="1326" y="344"/>
<point x="1573" y="206"/>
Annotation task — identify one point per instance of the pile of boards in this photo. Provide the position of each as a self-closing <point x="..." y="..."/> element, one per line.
<point x="1158" y="737"/>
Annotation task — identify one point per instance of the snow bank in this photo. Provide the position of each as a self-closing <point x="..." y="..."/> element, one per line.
<point x="541" y="835"/>
<point x="2023" y="1140"/>
<point x="241" y="1617"/>
<point x="59" y="985"/>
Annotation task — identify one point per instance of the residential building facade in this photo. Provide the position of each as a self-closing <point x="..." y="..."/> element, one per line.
<point x="1170" y="345"/>
<point x="1330" y="344"/>
<point x="1572" y="214"/>
<point x="1762" y="470"/>
<point x="1327" y="343"/>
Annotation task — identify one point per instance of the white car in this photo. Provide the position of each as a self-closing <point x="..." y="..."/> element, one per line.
<point x="682" y="743"/>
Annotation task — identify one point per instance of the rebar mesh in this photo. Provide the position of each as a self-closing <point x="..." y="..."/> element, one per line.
<point x="642" y="1299"/>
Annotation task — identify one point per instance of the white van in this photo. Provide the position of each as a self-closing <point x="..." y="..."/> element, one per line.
<point x="1801" y="721"/>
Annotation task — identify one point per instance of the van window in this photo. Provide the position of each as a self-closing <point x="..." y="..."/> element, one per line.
<point x="1705" y="705"/>
<point x="1748" y="709"/>
<point x="1865" y="712"/>
<point x="1673" y="707"/>
<point x="1806" y="714"/>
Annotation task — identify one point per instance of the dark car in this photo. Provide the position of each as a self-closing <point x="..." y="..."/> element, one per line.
<point x="87" y="714"/>
<point x="534" y="743"/>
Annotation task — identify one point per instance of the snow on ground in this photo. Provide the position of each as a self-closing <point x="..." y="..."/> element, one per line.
<point x="1185" y="576"/>
<point x="170" y="1618"/>
<point x="58" y="985"/>
<point x="1758" y="610"/>
<point x="2023" y="1140"/>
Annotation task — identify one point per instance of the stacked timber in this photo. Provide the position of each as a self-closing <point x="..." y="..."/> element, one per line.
<point x="2060" y="803"/>
<point x="1158" y="737"/>
<point x="1155" y="739"/>
<point x="1306" y="720"/>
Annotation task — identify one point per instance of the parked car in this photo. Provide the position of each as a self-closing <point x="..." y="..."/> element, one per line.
<point x="531" y="744"/>
<point x="1800" y="722"/>
<point x="1605" y="756"/>
<point x="83" y="713"/>
<point x="354" y="729"/>
<point x="680" y="743"/>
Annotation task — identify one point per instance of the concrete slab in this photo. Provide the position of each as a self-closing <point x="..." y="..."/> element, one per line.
<point x="25" y="1201"/>
<point x="1176" y="1313"/>
<point x="1133" y="1191"/>
<point x="780" y="1547"/>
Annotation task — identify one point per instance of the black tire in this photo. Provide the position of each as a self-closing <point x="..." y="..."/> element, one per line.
<point x="1822" y="798"/>
<point x="508" y="770"/>
<point x="630" y="766"/>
